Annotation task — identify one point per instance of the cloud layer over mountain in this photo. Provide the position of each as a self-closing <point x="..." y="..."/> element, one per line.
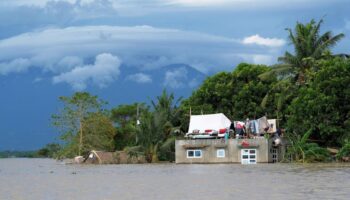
<point x="103" y="72"/>
<point x="69" y="53"/>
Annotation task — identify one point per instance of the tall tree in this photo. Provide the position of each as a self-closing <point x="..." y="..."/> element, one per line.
<point x="309" y="46"/>
<point x="154" y="132"/>
<point x="238" y="94"/>
<point x="124" y="114"/>
<point x="125" y="118"/>
<point x="151" y="134"/>
<point x="99" y="132"/>
<point x="71" y="120"/>
<point x="323" y="106"/>
<point x="167" y="104"/>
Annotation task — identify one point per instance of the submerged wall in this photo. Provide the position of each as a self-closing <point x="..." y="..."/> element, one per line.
<point x="118" y="157"/>
<point x="232" y="148"/>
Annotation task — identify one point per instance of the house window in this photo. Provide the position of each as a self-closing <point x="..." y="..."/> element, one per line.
<point x="220" y="153"/>
<point x="195" y="153"/>
<point x="248" y="156"/>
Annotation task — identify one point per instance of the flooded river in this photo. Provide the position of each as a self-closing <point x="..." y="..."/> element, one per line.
<point x="41" y="179"/>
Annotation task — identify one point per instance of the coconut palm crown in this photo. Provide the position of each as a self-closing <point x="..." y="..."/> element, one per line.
<point x="309" y="46"/>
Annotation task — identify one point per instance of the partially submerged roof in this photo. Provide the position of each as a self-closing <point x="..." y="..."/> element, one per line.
<point x="210" y="121"/>
<point x="99" y="157"/>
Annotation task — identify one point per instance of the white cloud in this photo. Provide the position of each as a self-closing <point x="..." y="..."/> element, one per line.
<point x="269" y="42"/>
<point x="142" y="46"/>
<point x="67" y="63"/>
<point x="103" y="72"/>
<point x="14" y="66"/>
<point x="86" y="2"/>
<point x="67" y="50"/>
<point x="158" y="2"/>
<point x="93" y="8"/>
<point x="258" y="58"/>
<point x="38" y="3"/>
<point x="200" y="3"/>
<point x="176" y="78"/>
<point x="243" y="4"/>
<point x="139" y="78"/>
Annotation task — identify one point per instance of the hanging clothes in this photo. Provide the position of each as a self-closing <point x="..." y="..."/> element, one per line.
<point x="239" y="124"/>
<point x="248" y="126"/>
<point x="254" y="127"/>
<point x="263" y="125"/>
<point x="239" y="127"/>
<point x="272" y="125"/>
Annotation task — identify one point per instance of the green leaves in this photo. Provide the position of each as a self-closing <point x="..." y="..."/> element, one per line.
<point x="300" y="150"/>
<point x="238" y="94"/>
<point x="309" y="46"/>
<point x="83" y="125"/>
<point x="323" y="105"/>
<point x="344" y="151"/>
<point x="308" y="91"/>
<point x="99" y="133"/>
<point x="155" y="133"/>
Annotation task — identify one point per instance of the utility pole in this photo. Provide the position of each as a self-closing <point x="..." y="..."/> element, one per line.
<point x="137" y="121"/>
<point x="138" y="115"/>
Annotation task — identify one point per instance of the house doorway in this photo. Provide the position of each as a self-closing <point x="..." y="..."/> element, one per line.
<point x="248" y="156"/>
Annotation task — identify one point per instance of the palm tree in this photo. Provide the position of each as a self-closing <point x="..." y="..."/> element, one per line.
<point x="155" y="131"/>
<point x="166" y="103"/>
<point x="300" y="150"/>
<point x="152" y="135"/>
<point x="309" y="46"/>
<point x="280" y="95"/>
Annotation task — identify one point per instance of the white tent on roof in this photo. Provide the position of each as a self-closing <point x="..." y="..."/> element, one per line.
<point x="211" y="121"/>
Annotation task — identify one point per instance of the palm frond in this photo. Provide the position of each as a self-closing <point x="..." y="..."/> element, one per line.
<point x="133" y="149"/>
<point x="168" y="143"/>
<point x="326" y="44"/>
<point x="264" y="101"/>
<point x="306" y="136"/>
<point x="288" y="58"/>
<point x="266" y="75"/>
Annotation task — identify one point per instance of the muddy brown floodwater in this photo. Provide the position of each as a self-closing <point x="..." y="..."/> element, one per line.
<point x="46" y="179"/>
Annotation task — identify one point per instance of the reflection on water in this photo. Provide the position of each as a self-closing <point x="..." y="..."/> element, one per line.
<point x="36" y="179"/>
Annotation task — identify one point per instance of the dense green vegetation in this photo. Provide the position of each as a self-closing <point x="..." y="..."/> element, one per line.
<point x="83" y="125"/>
<point x="18" y="154"/>
<point x="49" y="151"/>
<point x="308" y="92"/>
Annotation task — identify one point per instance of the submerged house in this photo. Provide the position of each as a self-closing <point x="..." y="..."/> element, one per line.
<point x="99" y="157"/>
<point x="206" y="145"/>
<point x="118" y="157"/>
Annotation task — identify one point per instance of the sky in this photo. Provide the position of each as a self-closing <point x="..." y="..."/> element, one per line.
<point x="112" y="48"/>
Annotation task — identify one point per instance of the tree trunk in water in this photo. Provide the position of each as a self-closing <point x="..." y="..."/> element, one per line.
<point x="155" y="153"/>
<point x="80" y="137"/>
<point x="154" y="158"/>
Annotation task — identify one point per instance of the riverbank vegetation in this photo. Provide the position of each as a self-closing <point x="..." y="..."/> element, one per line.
<point x="307" y="91"/>
<point x="18" y="154"/>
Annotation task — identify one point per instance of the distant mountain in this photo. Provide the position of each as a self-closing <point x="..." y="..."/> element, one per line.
<point x="134" y="85"/>
<point x="28" y="100"/>
<point x="179" y="78"/>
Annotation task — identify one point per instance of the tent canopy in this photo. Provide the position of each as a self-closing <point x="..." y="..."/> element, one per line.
<point x="211" y="121"/>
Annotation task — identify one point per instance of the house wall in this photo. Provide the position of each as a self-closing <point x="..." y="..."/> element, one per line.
<point x="232" y="148"/>
<point x="281" y="150"/>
